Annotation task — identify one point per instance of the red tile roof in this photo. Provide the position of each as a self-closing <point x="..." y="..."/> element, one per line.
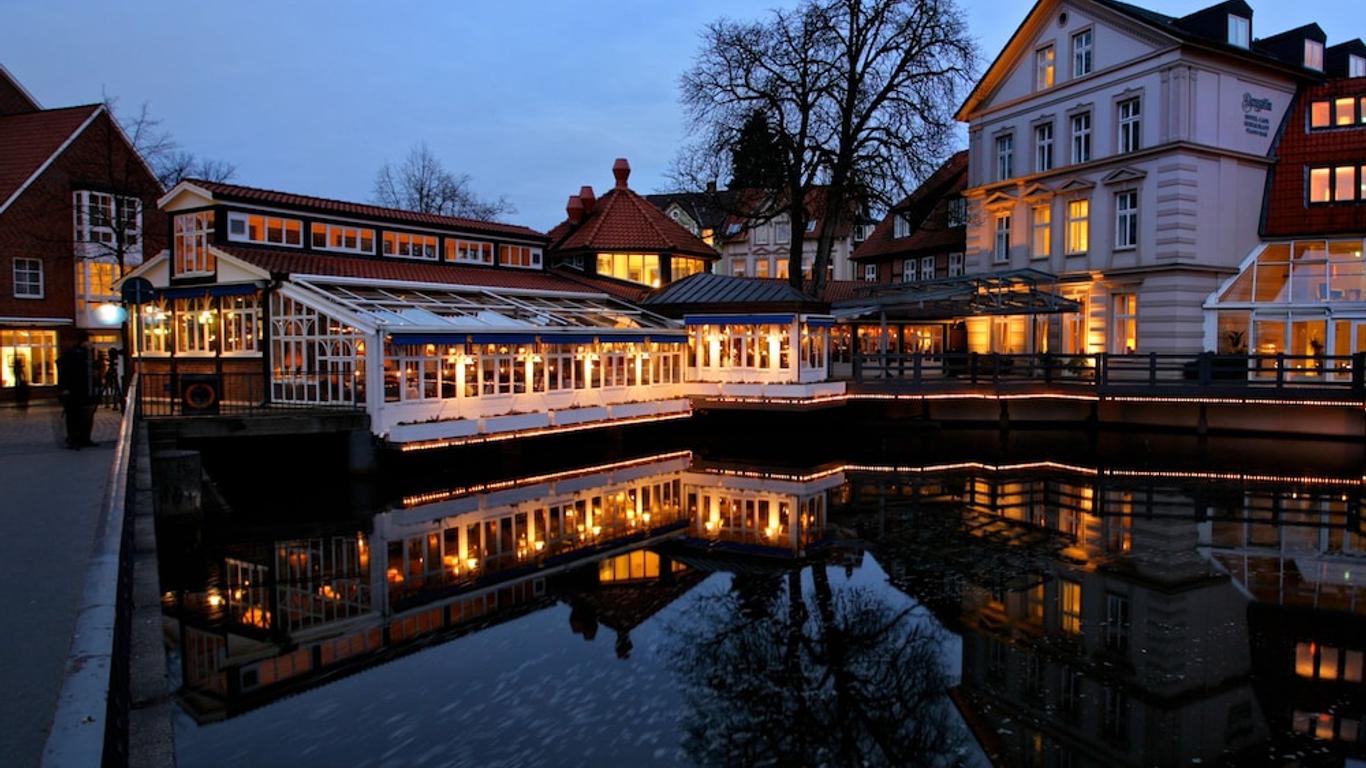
<point x="28" y="140"/>
<point x="621" y="289"/>
<point x="1287" y="212"/>
<point x="928" y="209"/>
<point x="283" y="262"/>
<point x="624" y="221"/>
<point x="239" y="193"/>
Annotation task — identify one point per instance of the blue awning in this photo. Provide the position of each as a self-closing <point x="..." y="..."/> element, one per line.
<point x="820" y="322"/>
<point x="197" y="291"/>
<point x="738" y="319"/>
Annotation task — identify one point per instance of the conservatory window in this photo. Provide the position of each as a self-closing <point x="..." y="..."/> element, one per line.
<point x="269" y="230"/>
<point x="337" y="237"/>
<point x="469" y="251"/>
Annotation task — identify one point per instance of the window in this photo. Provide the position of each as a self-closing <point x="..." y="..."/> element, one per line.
<point x="410" y="246"/>
<point x="104" y="218"/>
<point x="1356" y="66"/>
<point x="737" y="267"/>
<point x="95" y="282"/>
<point x="1320" y="114"/>
<point x="1041" y="246"/>
<point x="1043" y="147"/>
<point x="958" y="212"/>
<point x="28" y="279"/>
<point x="1081" y="138"/>
<point x="926" y="267"/>
<point x="908" y="270"/>
<point x="684" y="267"/>
<point x="637" y="267"/>
<point x="782" y="230"/>
<point x="192" y="234"/>
<point x="337" y="237"/>
<point x="955" y="265"/>
<point x="1116" y="623"/>
<point x="1005" y="157"/>
<point x="1082" y="53"/>
<point x="1069" y="596"/>
<point x="270" y="230"/>
<point x="519" y="256"/>
<point x="1313" y="55"/>
<point x="1078" y="226"/>
<point x="1239" y="31"/>
<point x="1001" y="253"/>
<point x="901" y="226"/>
<point x="761" y="267"/>
<point x="31" y="354"/>
<point x="468" y="251"/>
<point x="241" y="324"/>
<point x="195" y="325"/>
<point x="761" y="234"/>
<point x="1345" y="111"/>
<point x="1043" y="68"/>
<point x="1130" y="126"/>
<point x="1125" y="326"/>
<point x="1126" y="219"/>
<point x="1334" y="185"/>
<point x="870" y="273"/>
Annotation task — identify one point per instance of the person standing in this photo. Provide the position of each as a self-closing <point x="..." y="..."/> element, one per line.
<point x="21" y="388"/>
<point x="78" y="383"/>
<point x="113" y="378"/>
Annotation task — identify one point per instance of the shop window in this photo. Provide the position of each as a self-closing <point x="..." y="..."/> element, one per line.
<point x="30" y="354"/>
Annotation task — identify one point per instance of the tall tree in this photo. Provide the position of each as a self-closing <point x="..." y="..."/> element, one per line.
<point x="861" y="95"/>
<point x="756" y="159"/>
<point x="422" y="183"/>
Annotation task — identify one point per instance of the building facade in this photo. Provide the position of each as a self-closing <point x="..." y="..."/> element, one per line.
<point x="1126" y="152"/>
<point x="77" y="208"/>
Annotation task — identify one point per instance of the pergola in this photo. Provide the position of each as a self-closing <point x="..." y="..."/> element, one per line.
<point x="1011" y="292"/>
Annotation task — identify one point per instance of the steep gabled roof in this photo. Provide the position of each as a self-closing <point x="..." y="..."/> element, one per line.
<point x="624" y="221"/>
<point x="30" y="141"/>
<point x="14" y="97"/>
<point x="270" y="197"/>
<point x="927" y="210"/>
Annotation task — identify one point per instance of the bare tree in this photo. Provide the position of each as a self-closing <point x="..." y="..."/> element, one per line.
<point x="423" y="184"/>
<point x="167" y="159"/>
<point x="861" y="94"/>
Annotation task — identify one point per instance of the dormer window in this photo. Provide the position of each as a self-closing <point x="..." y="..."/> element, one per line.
<point x="1239" y="31"/>
<point x="1356" y="66"/>
<point x="1043" y="68"/>
<point x="958" y="212"/>
<point x="1313" y="55"/>
<point x="901" y="226"/>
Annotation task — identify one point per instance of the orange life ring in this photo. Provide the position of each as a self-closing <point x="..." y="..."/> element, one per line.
<point x="200" y="395"/>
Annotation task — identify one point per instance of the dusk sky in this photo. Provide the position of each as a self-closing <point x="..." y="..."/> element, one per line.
<point x="532" y="99"/>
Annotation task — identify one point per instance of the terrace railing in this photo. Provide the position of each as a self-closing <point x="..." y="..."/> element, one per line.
<point x="1111" y="374"/>
<point x="175" y="395"/>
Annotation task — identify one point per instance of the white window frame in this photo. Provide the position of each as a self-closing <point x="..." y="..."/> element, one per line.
<point x="927" y="267"/>
<point x="242" y="219"/>
<point x="30" y="267"/>
<point x="1005" y="156"/>
<point x="1041" y="231"/>
<point x="870" y="273"/>
<point x="1044" y="158"/>
<point x="415" y="243"/>
<point x="1045" y="67"/>
<point x="761" y="234"/>
<point x="1313" y="55"/>
<point x="1120" y="320"/>
<point x="533" y="256"/>
<point x="956" y="268"/>
<point x="240" y="324"/>
<point x="738" y="266"/>
<point x="1077" y="224"/>
<point x="1356" y="65"/>
<point x="1126" y="220"/>
<point x="1082" y="150"/>
<point x="344" y="231"/>
<point x="100" y="229"/>
<point x="1130" y="120"/>
<point x="1083" y="52"/>
<point x="1000" y="253"/>
<point x="908" y="270"/>
<point x="459" y="250"/>
<point x="1239" y="30"/>
<point x="901" y="226"/>
<point x="194" y="229"/>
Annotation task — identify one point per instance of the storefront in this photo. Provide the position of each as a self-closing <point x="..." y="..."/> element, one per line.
<point x="28" y="354"/>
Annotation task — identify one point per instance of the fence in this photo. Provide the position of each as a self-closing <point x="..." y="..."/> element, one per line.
<point x="1119" y="374"/>
<point x="168" y="395"/>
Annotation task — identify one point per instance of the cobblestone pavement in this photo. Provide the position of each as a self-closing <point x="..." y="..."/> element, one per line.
<point x="50" y="501"/>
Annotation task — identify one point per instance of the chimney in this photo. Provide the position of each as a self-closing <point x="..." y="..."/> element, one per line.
<point x="575" y="210"/>
<point x="622" y="171"/>
<point x="589" y="200"/>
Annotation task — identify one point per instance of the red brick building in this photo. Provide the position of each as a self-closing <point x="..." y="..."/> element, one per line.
<point x="77" y="208"/>
<point x="924" y="236"/>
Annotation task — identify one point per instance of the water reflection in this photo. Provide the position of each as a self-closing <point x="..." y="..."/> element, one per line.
<point x="1026" y="614"/>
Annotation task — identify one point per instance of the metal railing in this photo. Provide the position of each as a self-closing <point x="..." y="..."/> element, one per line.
<point x="190" y="394"/>
<point x="1117" y="374"/>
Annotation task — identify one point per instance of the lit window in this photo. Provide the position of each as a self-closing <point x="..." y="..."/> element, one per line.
<point x="1356" y="66"/>
<point x="1339" y="184"/>
<point x="1070" y="597"/>
<point x="270" y="230"/>
<point x="1344" y="111"/>
<point x="1043" y="68"/>
<point x="1304" y="659"/>
<point x="1001" y="253"/>
<point x="1082" y="53"/>
<point x="1005" y="157"/>
<point x="1130" y="126"/>
<point x="1320" y="185"/>
<point x="1081" y="138"/>
<point x="196" y="325"/>
<point x="1042" y="246"/>
<point x="468" y="251"/>
<point x="410" y="246"/>
<point x="336" y="237"/>
<point x="1125" y="327"/>
<point x="519" y="256"/>
<point x="95" y="282"/>
<point x="761" y="267"/>
<point x="1043" y="147"/>
<point x="641" y="268"/>
<point x="955" y="265"/>
<point x="870" y="273"/>
<point x="30" y="354"/>
<point x="193" y="233"/>
<point x="1313" y="55"/>
<point x="241" y="324"/>
<point x="1126" y="219"/>
<point x="737" y="267"/>
<point x="28" y="279"/>
<point x="1078" y="226"/>
<point x="1320" y="114"/>
<point x="110" y="220"/>
<point x="1239" y="31"/>
<point x="1344" y="183"/>
<point x="927" y="268"/>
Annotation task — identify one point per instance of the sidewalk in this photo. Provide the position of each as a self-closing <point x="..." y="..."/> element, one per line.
<point x="51" y="504"/>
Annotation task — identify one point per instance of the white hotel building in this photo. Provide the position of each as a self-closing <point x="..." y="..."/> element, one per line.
<point x="1127" y="153"/>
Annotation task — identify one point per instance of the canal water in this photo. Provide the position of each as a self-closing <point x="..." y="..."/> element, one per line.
<point x="954" y="599"/>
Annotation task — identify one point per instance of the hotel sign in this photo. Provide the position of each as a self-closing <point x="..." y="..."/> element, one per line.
<point x="1253" y="120"/>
